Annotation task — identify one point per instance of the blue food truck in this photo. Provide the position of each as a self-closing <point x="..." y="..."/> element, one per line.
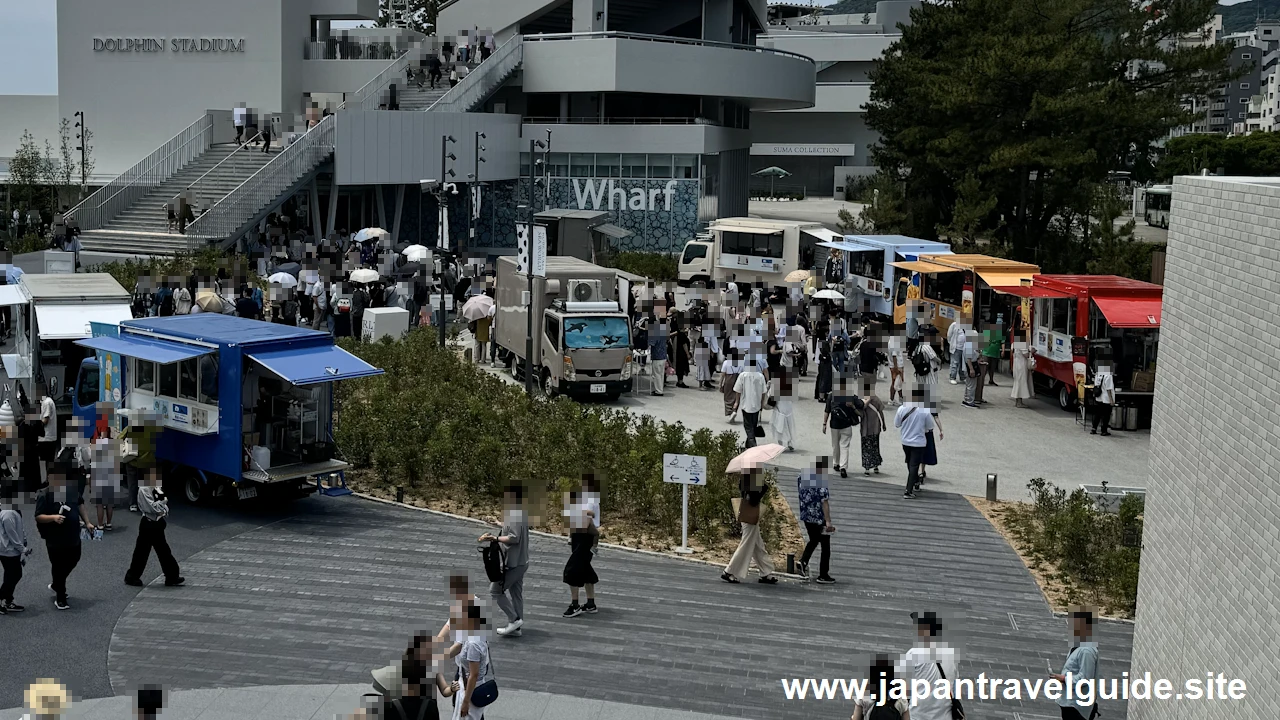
<point x="246" y="406"/>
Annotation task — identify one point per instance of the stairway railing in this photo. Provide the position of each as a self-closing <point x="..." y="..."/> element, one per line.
<point x="369" y="96"/>
<point x="480" y="83"/>
<point x="228" y="216"/>
<point x="131" y="185"/>
<point x="199" y="194"/>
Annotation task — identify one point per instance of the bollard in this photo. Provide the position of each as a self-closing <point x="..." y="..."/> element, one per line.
<point x="992" y="480"/>
<point x="791" y="563"/>
<point x="400" y="493"/>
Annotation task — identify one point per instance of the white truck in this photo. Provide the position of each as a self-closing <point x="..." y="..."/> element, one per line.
<point x="753" y="250"/>
<point x="48" y="313"/>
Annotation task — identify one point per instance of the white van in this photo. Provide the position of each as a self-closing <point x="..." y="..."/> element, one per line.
<point x="753" y="250"/>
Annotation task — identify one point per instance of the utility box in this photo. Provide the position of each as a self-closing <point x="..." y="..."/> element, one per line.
<point x="384" y="321"/>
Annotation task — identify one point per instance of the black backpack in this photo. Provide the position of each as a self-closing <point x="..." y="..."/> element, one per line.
<point x="888" y="711"/>
<point x="846" y="413"/>
<point x="920" y="362"/>
<point x="492" y="555"/>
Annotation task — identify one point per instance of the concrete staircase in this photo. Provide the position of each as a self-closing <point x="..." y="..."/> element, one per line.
<point x="143" y="227"/>
<point x="411" y="98"/>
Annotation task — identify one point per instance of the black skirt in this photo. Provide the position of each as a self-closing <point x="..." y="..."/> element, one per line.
<point x="578" y="571"/>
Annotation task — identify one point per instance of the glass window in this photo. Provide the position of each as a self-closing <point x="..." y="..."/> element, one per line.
<point x="1244" y="86"/>
<point x="1061" y="315"/>
<point x="694" y="251"/>
<point x="582" y="165"/>
<point x="209" y="379"/>
<point x="146" y="376"/>
<point x="187" y="379"/>
<point x="608" y="165"/>
<point x="559" y="164"/>
<point x="633" y="166"/>
<point x="868" y="264"/>
<point x="524" y="164"/>
<point x="944" y="287"/>
<point x="168" y="380"/>
<point x="659" y="166"/>
<point x="597" y="333"/>
<point x="87" y="386"/>
<point x="686" y="167"/>
<point x="552" y="331"/>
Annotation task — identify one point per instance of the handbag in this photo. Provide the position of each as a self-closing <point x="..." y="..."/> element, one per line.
<point x="486" y="692"/>
<point x="957" y="710"/>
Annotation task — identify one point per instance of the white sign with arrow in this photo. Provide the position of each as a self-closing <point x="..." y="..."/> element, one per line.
<point x="686" y="470"/>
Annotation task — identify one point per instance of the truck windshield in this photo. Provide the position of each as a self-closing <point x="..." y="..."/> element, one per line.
<point x="596" y="332"/>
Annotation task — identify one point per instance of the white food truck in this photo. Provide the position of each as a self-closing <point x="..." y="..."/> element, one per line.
<point x="753" y="250"/>
<point x="870" y="271"/>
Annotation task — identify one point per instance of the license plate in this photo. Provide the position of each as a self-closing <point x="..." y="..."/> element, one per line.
<point x="597" y="388"/>
<point x="245" y="493"/>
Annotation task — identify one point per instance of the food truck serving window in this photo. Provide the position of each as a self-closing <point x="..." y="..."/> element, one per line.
<point x="754" y="244"/>
<point x="945" y="288"/>
<point x="313" y="364"/>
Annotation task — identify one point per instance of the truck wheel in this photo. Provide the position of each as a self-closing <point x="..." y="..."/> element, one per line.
<point x="1066" y="398"/>
<point x="548" y="388"/>
<point x="700" y="282"/>
<point x="193" y="488"/>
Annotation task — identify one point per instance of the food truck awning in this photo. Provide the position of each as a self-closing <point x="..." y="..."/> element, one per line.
<point x="1000" y="279"/>
<point x="847" y="245"/>
<point x="1032" y="291"/>
<point x="1130" y="312"/>
<point x="71" y="322"/>
<point x="613" y="231"/>
<point x="11" y="295"/>
<point x="142" y="348"/>
<point x="314" y="364"/>
<point x="921" y="266"/>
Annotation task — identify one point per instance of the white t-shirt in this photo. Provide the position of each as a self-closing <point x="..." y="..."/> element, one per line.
<point x="914" y="420"/>
<point x="49" y="414"/>
<point x="1106" y="383"/>
<point x="897" y="352"/>
<point x="238" y="115"/>
<point x="475" y="648"/>
<point x="922" y="664"/>
<point x="751" y="387"/>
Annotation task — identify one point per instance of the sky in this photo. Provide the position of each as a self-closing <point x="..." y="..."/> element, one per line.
<point x="29" y="45"/>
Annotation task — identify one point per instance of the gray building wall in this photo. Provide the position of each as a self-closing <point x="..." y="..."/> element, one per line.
<point x="1244" y="87"/>
<point x="37" y="113"/>
<point x="385" y="147"/>
<point x="1208" y="596"/>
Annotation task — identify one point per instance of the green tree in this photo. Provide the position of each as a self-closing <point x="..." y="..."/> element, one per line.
<point x="420" y="16"/>
<point x="1113" y="249"/>
<point x="971" y="216"/>
<point x="26" y="172"/>
<point x="1036" y="101"/>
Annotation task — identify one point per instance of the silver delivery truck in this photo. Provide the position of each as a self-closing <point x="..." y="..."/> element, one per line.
<point x="582" y="338"/>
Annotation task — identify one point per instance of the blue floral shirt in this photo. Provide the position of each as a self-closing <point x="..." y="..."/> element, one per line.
<point x="813" y="490"/>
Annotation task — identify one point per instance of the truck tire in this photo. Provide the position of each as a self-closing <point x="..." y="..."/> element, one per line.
<point x="1066" y="398"/>
<point x="701" y="282"/>
<point x="548" y="388"/>
<point x="194" y="491"/>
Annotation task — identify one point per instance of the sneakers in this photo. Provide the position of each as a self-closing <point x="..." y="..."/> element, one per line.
<point x="768" y="580"/>
<point x="108" y="527"/>
<point x="133" y="508"/>
<point x="876" y="469"/>
<point x="512" y="629"/>
<point x="866" y="472"/>
<point x="175" y="582"/>
<point x="908" y="496"/>
<point x="1106" y="433"/>
<point x="844" y="473"/>
<point x="135" y="582"/>
<point x="11" y="606"/>
<point x="61" y="604"/>
<point x="826" y="580"/>
<point x="1093" y="431"/>
<point x="954" y="381"/>
<point x="729" y="578"/>
<point x="969" y="404"/>
<point x="574" y="610"/>
<point x="803" y="568"/>
<point x="590" y="607"/>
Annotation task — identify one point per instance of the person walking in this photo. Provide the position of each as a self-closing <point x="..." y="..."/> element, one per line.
<point x="870" y="356"/>
<point x="782" y="420"/>
<point x="872" y="425"/>
<point x="751" y="388"/>
<point x="815" y="513"/>
<point x="1104" y="396"/>
<point x="751" y="491"/>
<point x="475" y="668"/>
<point x="897" y="368"/>
<point x="657" y="356"/>
<point x="955" y="349"/>
<point x="154" y="505"/>
<point x="844" y="410"/>
<point x="14" y="550"/>
<point x="104" y="474"/>
<point x="822" y="384"/>
<point x="1081" y="664"/>
<point x="913" y="420"/>
<point x="729" y="372"/>
<point x="49" y="428"/>
<point x="433" y="69"/>
<point x="930" y="660"/>
<point x="508" y="595"/>
<point x="1023" y="364"/>
<point x="969" y="372"/>
<point x="582" y="509"/>
<point x="683" y="350"/>
<point x="59" y="513"/>
<point x="992" y="347"/>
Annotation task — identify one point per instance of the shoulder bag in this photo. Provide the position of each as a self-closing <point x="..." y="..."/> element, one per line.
<point x="486" y="692"/>
<point x="957" y="710"/>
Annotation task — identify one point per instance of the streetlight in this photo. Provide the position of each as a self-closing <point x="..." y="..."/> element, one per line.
<point x="82" y="130"/>
<point x="528" y="342"/>
<point x="473" y="195"/>
<point x="444" y="189"/>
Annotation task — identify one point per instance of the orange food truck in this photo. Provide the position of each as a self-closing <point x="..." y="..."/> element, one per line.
<point x="950" y="286"/>
<point x="1075" y="319"/>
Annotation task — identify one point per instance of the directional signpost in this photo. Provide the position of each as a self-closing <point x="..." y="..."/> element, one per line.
<point x="686" y="470"/>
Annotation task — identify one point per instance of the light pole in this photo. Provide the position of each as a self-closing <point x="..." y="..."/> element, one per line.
<point x="82" y="131"/>
<point x="472" y="205"/>
<point x="528" y="342"/>
<point x="441" y="199"/>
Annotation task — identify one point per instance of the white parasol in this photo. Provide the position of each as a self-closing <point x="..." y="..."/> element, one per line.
<point x="416" y="253"/>
<point x="828" y="294"/>
<point x="371" y="234"/>
<point x="479" y="306"/>
<point x="283" y="279"/>
<point x="364" y="275"/>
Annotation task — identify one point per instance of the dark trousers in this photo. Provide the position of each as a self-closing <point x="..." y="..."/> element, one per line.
<point x="1102" y="414"/>
<point x="62" y="560"/>
<point x="915" y="458"/>
<point x="993" y="364"/>
<point x="750" y="421"/>
<point x="982" y="365"/>
<point x="818" y="537"/>
<point x="151" y="536"/>
<point x="1073" y="713"/>
<point x="12" y="574"/>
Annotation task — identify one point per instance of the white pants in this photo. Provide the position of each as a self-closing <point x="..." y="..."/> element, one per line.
<point x="750" y="547"/>
<point x="657" y="374"/>
<point x="840" y="440"/>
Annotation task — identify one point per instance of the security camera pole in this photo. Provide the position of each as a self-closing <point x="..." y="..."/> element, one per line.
<point x="528" y="343"/>
<point x="442" y="200"/>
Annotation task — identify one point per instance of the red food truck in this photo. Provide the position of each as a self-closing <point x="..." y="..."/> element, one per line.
<point x="1073" y="319"/>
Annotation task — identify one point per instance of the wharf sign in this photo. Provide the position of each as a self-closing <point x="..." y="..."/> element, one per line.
<point x="591" y="194"/>
<point x="160" y="45"/>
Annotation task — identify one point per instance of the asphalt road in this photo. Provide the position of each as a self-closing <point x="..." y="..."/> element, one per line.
<point x="73" y="645"/>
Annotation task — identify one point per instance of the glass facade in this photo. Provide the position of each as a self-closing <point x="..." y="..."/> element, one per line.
<point x="615" y="165"/>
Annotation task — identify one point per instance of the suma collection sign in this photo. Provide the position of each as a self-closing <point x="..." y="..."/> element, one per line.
<point x="177" y="45"/>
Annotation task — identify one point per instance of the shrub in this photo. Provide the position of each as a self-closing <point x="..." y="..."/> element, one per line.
<point x="204" y="262"/>
<point x="658" y="267"/>
<point x="440" y="427"/>
<point x="29" y="243"/>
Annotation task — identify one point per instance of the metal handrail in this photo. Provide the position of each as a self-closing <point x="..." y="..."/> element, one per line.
<point x="193" y="196"/>
<point x="229" y="215"/>
<point x="360" y="99"/>
<point x="484" y="79"/>
<point x="663" y="39"/>
<point x="614" y="121"/>
<point x="131" y="185"/>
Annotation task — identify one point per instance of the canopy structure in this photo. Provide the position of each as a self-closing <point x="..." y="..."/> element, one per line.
<point x="71" y="322"/>
<point x="159" y="351"/>
<point x="846" y="245"/>
<point x="1032" y="291"/>
<point x="1130" y="312"/>
<point x="313" y="364"/>
<point x="613" y="231"/>
<point x="1000" y="278"/>
<point x="922" y="266"/>
<point x="747" y="230"/>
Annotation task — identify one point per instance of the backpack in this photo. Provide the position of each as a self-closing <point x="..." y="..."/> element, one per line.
<point x="493" y="565"/>
<point x="344" y="305"/>
<point x="846" y="413"/>
<point x="291" y="312"/>
<point x="888" y="711"/>
<point x="920" y="362"/>
<point x="166" y="303"/>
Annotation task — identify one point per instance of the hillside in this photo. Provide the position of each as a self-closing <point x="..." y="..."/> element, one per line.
<point x="1240" y="17"/>
<point x="852" y="7"/>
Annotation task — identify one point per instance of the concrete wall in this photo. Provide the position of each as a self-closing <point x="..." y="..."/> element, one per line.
<point x="1208" y="596"/>
<point x="844" y="47"/>
<point x="813" y="129"/>
<point x="838" y="98"/>
<point x="338" y="76"/>
<point x="764" y="80"/>
<point x="37" y="113"/>
<point x="384" y="147"/>
<point x="679" y="139"/>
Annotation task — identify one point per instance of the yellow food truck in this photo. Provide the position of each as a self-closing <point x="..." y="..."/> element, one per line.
<point x="951" y="286"/>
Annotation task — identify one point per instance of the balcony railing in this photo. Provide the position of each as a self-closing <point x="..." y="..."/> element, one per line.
<point x="230" y="215"/>
<point x="559" y="37"/>
<point x="130" y="186"/>
<point x="481" y="82"/>
<point x="617" y="121"/>
<point x="370" y="95"/>
<point x="337" y="49"/>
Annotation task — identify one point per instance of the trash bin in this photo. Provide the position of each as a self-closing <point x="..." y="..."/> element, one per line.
<point x="1131" y="418"/>
<point x="1117" y="416"/>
